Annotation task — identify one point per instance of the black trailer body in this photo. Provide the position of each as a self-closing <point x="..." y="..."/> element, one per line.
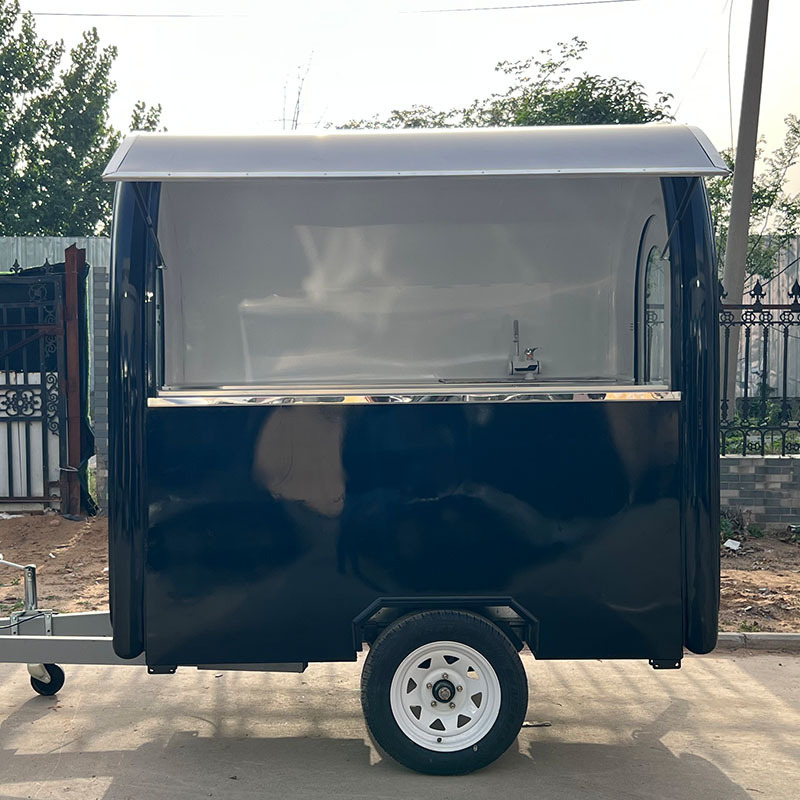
<point x="391" y="388"/>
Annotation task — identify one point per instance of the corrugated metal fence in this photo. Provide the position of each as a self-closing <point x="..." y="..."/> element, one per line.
<point x="32" y="251"/>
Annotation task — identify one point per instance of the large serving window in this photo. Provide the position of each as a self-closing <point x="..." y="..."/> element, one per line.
<point x="350" y="260"/>
<point x="393" y="280"/>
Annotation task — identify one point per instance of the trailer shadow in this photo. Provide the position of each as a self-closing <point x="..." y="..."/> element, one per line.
<point x="189" y="764"/>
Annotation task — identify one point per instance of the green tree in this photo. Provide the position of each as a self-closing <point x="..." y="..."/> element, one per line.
<point x="145" y="118"/>
<point x="775" y="213"/>
<point x="55" y="135"/>
<point x="543" y="90"/>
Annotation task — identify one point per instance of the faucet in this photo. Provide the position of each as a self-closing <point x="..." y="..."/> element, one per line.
<point x="526" y="363"/>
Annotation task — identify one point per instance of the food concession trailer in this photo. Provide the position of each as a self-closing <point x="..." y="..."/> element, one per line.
<point x="444" y="393"/>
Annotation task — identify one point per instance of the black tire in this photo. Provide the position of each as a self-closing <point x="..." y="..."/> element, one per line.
<point x="401" y="639"/>
<point x="56" y="681"/>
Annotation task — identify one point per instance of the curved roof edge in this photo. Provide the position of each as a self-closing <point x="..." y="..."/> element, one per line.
<point x="659" y="149"/>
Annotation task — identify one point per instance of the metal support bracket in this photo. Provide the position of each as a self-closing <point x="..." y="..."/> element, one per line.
<point x="39" y="672"/>
<point x="19" y="617"/>
<point x="665" y="663"/>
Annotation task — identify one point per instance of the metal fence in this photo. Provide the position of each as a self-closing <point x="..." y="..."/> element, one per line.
<point x="764" y="417"/>
<point x="30" y="251"/>
<point x="32" y="400"/>
<point x="45" y="440"/>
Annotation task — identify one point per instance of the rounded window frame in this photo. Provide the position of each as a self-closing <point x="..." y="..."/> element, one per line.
<point x="652" y="318"/>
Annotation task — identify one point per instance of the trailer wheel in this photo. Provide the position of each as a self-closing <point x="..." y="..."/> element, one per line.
<point x="56" y="681"/>
<point x="444" y="692"/>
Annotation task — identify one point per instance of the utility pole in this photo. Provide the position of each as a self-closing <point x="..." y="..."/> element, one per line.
<point x="741" y="201"/>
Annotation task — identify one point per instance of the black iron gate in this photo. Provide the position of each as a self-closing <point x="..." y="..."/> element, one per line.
<point x="32" y="370"/>
<point x="764" y="417"/>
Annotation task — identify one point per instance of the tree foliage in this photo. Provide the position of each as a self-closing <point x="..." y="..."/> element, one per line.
<point x="543" y="90"/>
<point x="145" y="118"/>
<point x="775" y="213"/>
<point x="55" y="135"/>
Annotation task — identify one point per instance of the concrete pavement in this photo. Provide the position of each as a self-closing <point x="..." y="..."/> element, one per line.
<point x="725" y="727"/>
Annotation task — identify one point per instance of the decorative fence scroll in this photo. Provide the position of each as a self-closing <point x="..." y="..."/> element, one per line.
<point x="765" y="417"/>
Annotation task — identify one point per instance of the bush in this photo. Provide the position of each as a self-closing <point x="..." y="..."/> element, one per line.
<point x="736" y="523"/>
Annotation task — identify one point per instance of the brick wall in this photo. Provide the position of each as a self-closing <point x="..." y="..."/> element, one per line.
<point x="767" y="486"/>
<point x="100" y="391"/>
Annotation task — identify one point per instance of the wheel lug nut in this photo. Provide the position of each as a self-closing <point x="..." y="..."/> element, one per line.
<point x="444" y="675"/>
<point x="459" y="688"/>
<point x="429" y="686"/>
<point x="433" y="702"/>
<point x="452" y="705"/>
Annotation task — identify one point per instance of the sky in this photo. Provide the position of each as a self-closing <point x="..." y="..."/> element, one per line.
<point x="235" y="66"/>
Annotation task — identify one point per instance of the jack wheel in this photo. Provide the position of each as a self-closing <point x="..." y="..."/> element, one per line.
<point x="56" y="681"/>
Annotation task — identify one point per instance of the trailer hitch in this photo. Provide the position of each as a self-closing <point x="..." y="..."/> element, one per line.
<point x="30" y="610"/>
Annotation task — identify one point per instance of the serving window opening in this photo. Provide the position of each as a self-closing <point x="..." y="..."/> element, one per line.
<point x="420" y="281"/>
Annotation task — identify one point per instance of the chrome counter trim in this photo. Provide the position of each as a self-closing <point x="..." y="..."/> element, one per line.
<point x="175" y="399"/>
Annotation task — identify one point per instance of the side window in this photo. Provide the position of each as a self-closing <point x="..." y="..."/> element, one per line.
<point x="159" y="321"/>
<point x="654" y="319"/>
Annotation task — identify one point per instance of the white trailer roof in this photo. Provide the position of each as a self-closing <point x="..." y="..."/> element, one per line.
<point x="658" y="149"/>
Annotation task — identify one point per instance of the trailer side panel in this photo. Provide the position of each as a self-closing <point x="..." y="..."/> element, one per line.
<point x="271" y="529"/>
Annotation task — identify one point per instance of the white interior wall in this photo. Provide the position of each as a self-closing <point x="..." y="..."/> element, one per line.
<point x="399" y="279"/>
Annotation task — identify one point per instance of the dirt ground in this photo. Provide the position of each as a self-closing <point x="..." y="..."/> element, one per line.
<point x="70" y="557"/>
<point x="760" y="581"/>
<point x="761" y="586"/>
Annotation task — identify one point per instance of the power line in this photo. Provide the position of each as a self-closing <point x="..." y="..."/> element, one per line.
<point x="780" y="272"/>
<point x="129" y="16"/>
<point x="516" y="8"/>
<point x="700" y="64"/>
<point x="419" y="11"/>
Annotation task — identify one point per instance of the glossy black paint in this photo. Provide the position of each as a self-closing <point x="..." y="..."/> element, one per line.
<point x="696" y="372"/>
<point x="132" y="269"/>
<point x="259" y="534"/>
<point x="271" y="529"/>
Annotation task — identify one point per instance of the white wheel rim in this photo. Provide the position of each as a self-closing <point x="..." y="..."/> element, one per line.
<point x="455" y="723"/>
